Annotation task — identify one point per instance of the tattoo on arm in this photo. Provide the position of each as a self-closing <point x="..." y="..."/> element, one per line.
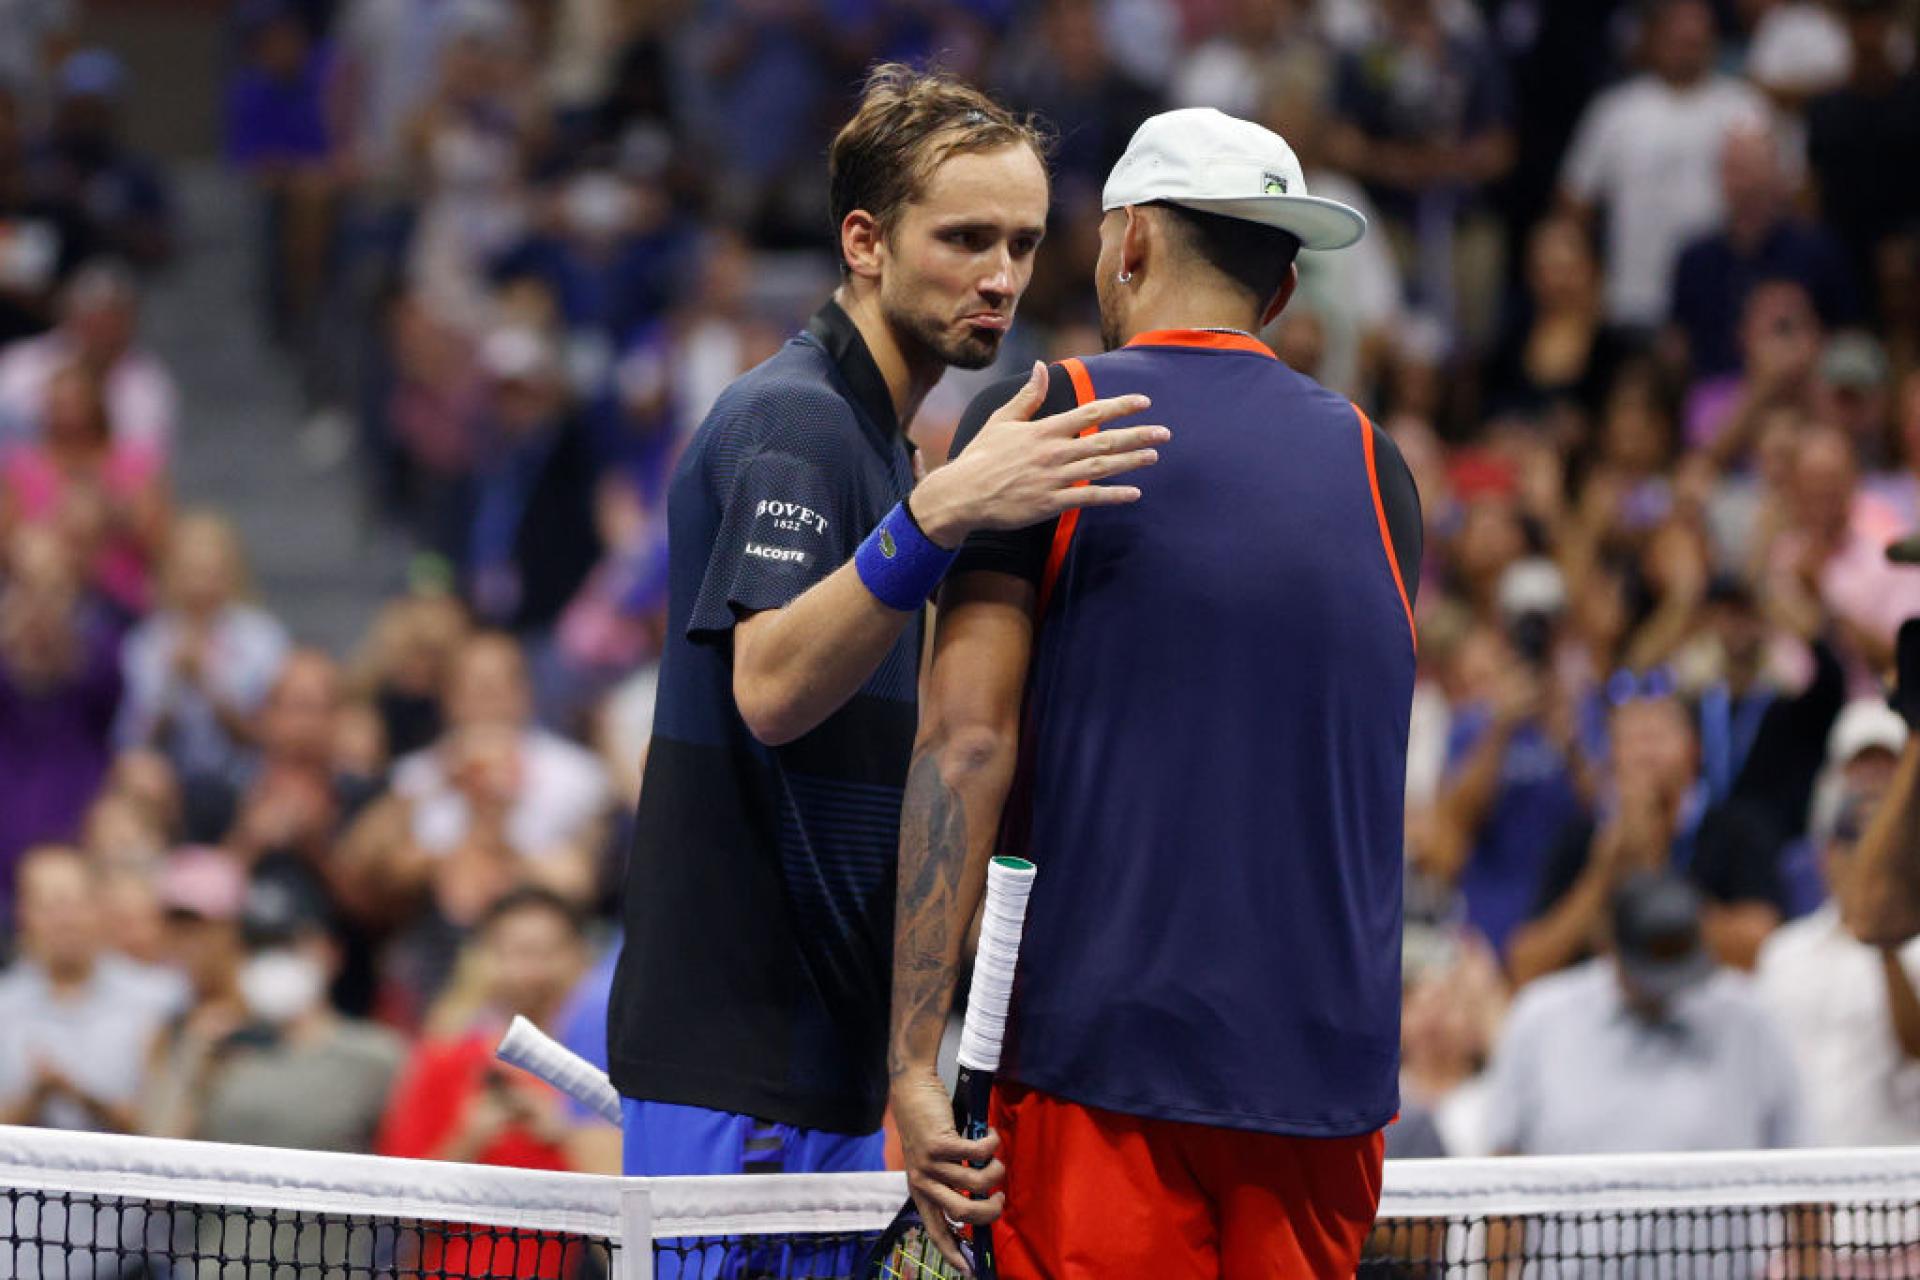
<point x="933" y="853"/>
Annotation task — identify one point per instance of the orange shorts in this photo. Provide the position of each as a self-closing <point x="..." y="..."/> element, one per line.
<point x="1095" y="1195"/>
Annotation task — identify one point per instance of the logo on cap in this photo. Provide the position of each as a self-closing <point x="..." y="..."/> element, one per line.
<point x="1275" y="185"/>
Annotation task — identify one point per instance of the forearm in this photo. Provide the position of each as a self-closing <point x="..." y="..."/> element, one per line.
<point x="955" y="790"/>
<point x="1902" y="1002"/>
<point x="1554" y="940"/>
<point x="1882" y="895"/>
<point x="795" y="666"/>
<point x="1464" y="804"/>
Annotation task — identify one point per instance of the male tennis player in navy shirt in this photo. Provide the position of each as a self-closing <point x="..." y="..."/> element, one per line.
<point x="1192" y="715"/>
<point x="747" y="1025"/>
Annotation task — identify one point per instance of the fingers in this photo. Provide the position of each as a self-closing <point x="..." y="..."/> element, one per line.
<point x="1094" y="413"/>
<point x="1118" y="440"/>
<point x="935" y="1225"/>
<point x="1111" y="464"/>
<point x="950" y="1204"/>
<point x="1028" y="399"/>
<point x="1096" y="495"/>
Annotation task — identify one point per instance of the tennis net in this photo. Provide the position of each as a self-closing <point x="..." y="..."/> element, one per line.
<point x="88" y="1207"/>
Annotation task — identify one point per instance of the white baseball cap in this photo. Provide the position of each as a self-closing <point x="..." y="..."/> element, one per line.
<point x="1863" y="725"/>
<point x="1204" y="159"/>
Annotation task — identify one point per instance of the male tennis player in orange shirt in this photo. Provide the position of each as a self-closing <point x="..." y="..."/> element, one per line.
<point x="1192" y="715"/>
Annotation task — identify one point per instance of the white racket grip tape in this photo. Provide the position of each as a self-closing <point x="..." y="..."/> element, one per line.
<point x="538" y="1054"/>
<point x="1008" y="882"/>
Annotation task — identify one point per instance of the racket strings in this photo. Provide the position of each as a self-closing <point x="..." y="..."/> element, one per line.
<point x="916" y="1258"/>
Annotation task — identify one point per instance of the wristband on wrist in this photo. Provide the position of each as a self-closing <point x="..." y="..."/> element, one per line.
<point x="899" y="563"/>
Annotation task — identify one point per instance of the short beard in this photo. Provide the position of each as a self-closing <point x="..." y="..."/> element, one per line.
<point x="976" y="351"/>
<point x="1111" y="337"/>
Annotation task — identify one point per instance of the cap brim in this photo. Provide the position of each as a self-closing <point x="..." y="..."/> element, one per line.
<point x="1315" y="222"/>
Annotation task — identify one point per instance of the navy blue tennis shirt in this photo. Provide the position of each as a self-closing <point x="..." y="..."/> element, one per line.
<point x="1212" y="755"/>
<point x="759" y="887"/>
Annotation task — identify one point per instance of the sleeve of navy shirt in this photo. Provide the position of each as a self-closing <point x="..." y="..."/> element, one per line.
<point x="1020" y="552"/>
<point x="782" y="527"/>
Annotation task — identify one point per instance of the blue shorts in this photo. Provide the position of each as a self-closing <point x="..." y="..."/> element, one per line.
<point x="664" y="1139"/>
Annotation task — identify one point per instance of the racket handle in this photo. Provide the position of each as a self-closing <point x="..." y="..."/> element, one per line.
<point x="972" y="1102"/>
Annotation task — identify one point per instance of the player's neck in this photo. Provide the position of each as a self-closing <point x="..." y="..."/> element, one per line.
<point x="908" y="380"/>
<point x="1192" y="309"/>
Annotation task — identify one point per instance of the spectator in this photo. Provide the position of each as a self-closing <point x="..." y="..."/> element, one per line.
<point x="1654" y="818"/>
<point x="201" y="891"/>
<point x="454" y="1101"/>
<point x="1354" y="296"/>
<point x="1762" y="239"/>
<point x="1425" y="122"/>
<point x="1651" y="1048"/>
<point x="1452" y="1015"/>
<point x="44" y="239"/>
<point x="107" y="498"/>
<point x="198" y="669"/>
<point x="403" y="667"/>
<point x="59" y="685"/>
<point x="296" y="1074"/>
<point x="1509" y="785"/>
<point x="87" y="165"/>
<point x="1850" y="1011"/>
<point x="467" y="149"/>
<point x="96" y="333"/>
<point x="78" y="1017"/>
<point x="1231" y="69"/>
<point x="278" y="134"/>
<point x="1832" y="555"/>
<point x="1645" y="153"/>
<point x="531" y="542"/>
<point x="1761" y="740"/>
<point x="31" y="34"/>
<point x="493" y="804"/>
<point x="286" y="800"/>
<point x="1060" y="66"/>
<point x="1557" y="365"/>
<point x="1851" y="132"/>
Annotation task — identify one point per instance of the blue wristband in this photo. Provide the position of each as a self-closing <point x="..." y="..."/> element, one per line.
<point x="900" y="564"/>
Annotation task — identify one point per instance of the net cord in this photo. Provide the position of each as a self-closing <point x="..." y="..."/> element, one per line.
<point x="101" y="1165"/>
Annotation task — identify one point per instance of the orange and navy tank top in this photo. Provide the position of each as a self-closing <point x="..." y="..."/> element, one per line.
<point x="1213" y="754"/>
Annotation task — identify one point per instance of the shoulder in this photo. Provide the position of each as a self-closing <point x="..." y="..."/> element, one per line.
<point x="254" y="625"/>
<point x="790" y="388"/>
<point x="1566" y="994"/>
<point x="1789" y="946"/>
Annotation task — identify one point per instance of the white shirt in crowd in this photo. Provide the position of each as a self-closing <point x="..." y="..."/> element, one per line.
<point x="143" y="402"/>
<point x="1649" y="155"/>
<point x="97" y="1037"/>
<point x="1579" y="1073"/>
<point x="1828" y="992"/>
<point x="161" y="708"/>
<point x="564" y="791"/>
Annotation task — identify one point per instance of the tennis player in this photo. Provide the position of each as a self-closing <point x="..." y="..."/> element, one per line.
<point x="1192" y="715"/>
<point x="748" y="1019"/>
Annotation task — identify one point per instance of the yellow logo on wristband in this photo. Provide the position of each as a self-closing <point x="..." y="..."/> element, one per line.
<point x="887" y="547"/>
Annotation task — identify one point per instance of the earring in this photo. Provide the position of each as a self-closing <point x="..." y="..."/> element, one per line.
<point x="1125" y="277"/>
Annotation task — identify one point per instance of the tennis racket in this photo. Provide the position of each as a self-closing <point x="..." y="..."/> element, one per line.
<point x="904" y="1251"/>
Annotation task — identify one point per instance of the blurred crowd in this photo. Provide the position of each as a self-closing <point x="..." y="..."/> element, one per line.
<point x="1641" y="307"/>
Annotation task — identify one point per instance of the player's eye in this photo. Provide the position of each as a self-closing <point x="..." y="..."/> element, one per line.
<point x="1023" y="246"/>
<point x="972" y="239"/>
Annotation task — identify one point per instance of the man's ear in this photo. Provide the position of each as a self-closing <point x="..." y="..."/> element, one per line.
<point x="862" y="244"/>
<point x="1135" y="238"/>
<point x="1281" y="296"/>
